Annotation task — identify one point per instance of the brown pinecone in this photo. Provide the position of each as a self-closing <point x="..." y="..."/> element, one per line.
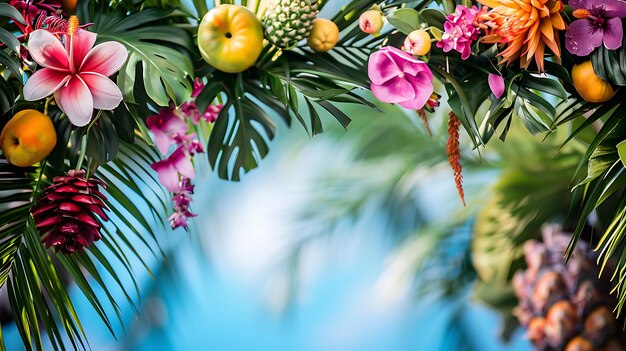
<point x="64" y="214"/>
<point x="565" y="306"/>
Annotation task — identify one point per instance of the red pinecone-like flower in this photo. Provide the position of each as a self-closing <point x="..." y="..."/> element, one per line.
<point x="65" y="213"/>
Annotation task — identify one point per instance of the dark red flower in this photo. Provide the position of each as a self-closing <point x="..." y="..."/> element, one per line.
<point x="66" y="213"/>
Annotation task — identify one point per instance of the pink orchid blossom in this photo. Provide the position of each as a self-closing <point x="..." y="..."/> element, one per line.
<point x="76" y="73"/>
<point x="212" y="112"/>
<point x="198" y="85"/>
<point x="189" y="143"/>
<point x="398" y="77"/>
<point x="182" y="201"/>
<point x="168" y="170"/>
<point x="166" y="126"/>
<point x="496" y="84"/>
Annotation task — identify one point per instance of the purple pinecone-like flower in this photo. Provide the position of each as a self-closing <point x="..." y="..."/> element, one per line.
<point x="66" y="213"/>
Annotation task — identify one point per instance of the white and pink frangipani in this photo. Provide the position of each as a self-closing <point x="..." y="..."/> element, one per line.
<point x="76" y="73"/>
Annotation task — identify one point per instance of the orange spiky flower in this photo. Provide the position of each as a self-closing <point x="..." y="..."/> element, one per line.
<point x="526" y="27"/>
<point x="454" y="153"/>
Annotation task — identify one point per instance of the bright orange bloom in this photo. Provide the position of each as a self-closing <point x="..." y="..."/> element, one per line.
<point x="525" y="26"/>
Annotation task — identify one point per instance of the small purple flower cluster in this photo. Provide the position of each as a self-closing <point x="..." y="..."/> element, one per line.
<point x="176" y="171"/>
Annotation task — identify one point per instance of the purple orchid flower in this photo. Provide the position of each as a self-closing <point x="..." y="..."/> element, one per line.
<point x="598" y="22"/>
<point x="168" y="170"/>
<point x="182" y="201"/>
<point x="165" y="126"/>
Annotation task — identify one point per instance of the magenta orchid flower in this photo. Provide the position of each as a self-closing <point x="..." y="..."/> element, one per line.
<point x="178" y="162"/>
<point x="165" y="127"/>
<point x="198" y="85"/>
<point x="598" y="22"/>
<point x="182" y="201"/>
<point x="77" y="73"/>
<point x="496" y="84"/>
<point x="398" y="77"/>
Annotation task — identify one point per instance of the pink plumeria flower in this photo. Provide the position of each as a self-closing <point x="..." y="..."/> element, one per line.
<point x="165" y="127"/>
<point x="178" y="162"/>
<point x="77" y="73"/>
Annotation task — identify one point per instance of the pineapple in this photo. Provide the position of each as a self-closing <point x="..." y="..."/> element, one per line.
<point x="565" y="306"/>
<point x="287" y="22"/>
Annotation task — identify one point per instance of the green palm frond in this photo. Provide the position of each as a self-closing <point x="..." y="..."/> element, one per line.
<point x="38" y="298"/>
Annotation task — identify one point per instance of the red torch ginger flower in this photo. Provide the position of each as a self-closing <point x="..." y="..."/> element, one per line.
<point x="67" y="213"/>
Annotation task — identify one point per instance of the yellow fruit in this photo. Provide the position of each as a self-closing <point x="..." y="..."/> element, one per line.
<point x="417" y="43"/>
<point x="324" y="35"/>
<point x="591" y="87"/>
<point x="28" y="138"/>
<point x="230" y="38"/>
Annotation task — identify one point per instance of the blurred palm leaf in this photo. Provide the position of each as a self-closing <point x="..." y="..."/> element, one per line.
<point x="10" y="69"/>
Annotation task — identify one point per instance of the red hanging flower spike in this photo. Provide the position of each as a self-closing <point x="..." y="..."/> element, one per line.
<point x="454" y="153"/>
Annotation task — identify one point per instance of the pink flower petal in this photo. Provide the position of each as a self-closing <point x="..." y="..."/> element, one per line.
<point x="47" y="50"/>
<point x="43" y="83"/>
<point x="496" y="84"/>
<point x="76" y="101"/>
<point x="399" y="56"/>
<point x="168" y="175"/>
<point x="106" y="58"/>
<point x="161" y="140"/>
<point x="78" y="47"/>
<point x="423" y="90"/>
<point x="394" y="91"/>
<point x="182" y="162"/>
<point x="381" y="67"/>
<point x="106" y="94"/>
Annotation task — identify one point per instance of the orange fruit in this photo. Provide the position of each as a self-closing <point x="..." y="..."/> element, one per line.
<point x="230" y="38"/>
<point x="324" y="35"/>
<point x="589" y="86"/>
<point x="28" y="138"/>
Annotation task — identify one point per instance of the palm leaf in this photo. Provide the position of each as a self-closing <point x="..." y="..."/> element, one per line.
<point x="38" y="298"/>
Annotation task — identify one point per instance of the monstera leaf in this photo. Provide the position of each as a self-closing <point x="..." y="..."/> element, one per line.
<point x="610" y="65"/>
<point x="154" y="53"/>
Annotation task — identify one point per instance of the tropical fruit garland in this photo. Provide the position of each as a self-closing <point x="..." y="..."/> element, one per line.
<point x="106" y="106"/>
